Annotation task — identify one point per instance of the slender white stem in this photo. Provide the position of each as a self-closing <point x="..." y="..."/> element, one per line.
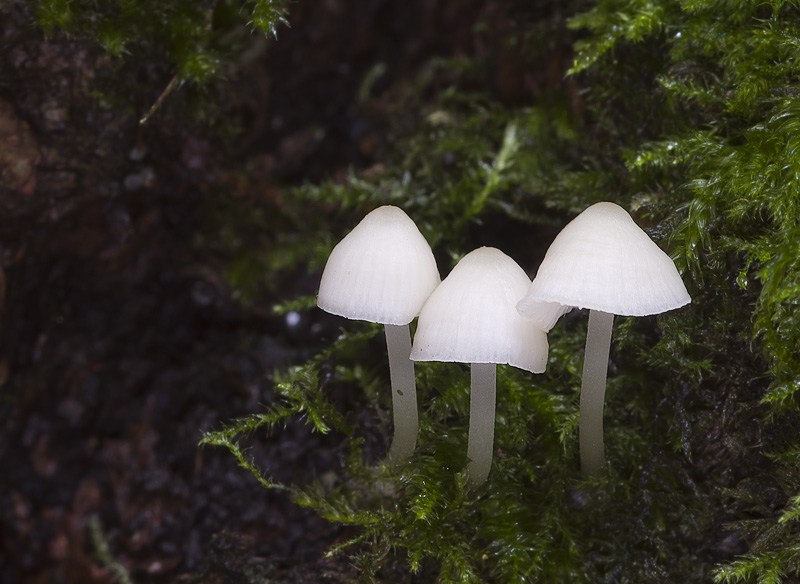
<point x="480" y="443"/>
<point x="404" y="393"/>
<point x="593" y="390"/>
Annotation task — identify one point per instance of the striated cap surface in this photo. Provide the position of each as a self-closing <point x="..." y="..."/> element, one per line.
<point x="603" y="261"/>
<point x="471" y="317"/>
<point x="382" y="271"/>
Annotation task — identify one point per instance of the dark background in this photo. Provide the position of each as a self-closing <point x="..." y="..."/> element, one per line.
<point x="121" y="338"/>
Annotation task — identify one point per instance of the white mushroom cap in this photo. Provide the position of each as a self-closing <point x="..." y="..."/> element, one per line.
<point x="603" y="261"/>
<point x="382" y="271"/>
<point x="543" y="314"/>
<point x="472" y="318"/>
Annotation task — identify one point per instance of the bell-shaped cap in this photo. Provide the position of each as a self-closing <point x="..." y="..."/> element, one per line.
<point x="543" y="314"/>
<point x="603" y="261"/>
<point x="382" y="271"/>
<point x="472" y="317"/>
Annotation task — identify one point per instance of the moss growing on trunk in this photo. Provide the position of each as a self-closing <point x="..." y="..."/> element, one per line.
<point x="685" y="114"/>
<point x="194" y="37"/>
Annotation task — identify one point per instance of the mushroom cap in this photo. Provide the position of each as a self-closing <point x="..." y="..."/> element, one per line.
<point x="382" y="271"/>
<point x="543" y="314"/>
<point x="603" y="261"/>
<point x="472" y="317"/>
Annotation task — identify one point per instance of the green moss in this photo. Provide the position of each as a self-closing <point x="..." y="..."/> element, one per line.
<point x="192" y="37"/>
<point x="687" y="117"/>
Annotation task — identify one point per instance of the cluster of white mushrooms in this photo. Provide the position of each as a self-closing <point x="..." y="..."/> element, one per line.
<point x="487" y="311"/>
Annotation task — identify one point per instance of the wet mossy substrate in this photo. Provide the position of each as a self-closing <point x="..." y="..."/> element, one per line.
<point x="134" y="305"/>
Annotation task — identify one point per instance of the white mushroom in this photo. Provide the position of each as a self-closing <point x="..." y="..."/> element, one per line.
<point x="472" y="318"/>
<point x="383" y="271"/>
<point x="602" y="261"/>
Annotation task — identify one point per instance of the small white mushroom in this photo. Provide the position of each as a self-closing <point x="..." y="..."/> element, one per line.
<point x="602" y="261"/>
<point x="383" y="271"/>
<point x="472" y="318"/>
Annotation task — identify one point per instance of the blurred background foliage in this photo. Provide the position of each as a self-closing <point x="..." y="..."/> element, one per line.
<point x="195" y="38"/>
<point x="682" y="111"/>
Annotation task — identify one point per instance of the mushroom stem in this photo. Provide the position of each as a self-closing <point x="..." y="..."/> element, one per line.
<point x="404" y="393"/>
<point x="593" y="389"/>
<point x="481" y="422"/>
